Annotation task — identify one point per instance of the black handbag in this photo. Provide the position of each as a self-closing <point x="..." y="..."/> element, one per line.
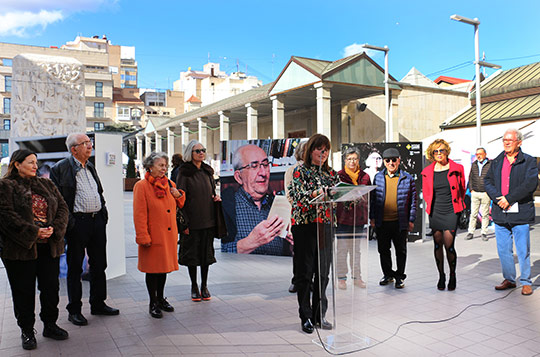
<point x="181" y="218"/>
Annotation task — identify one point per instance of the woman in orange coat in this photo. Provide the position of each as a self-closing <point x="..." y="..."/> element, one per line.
<point x="154" y="213"/>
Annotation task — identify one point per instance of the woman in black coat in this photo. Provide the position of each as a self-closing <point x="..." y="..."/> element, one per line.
<point x="33" y="221"/>
<point x="196" y="179"/>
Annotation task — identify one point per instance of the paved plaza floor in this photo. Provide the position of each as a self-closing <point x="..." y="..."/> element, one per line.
<point x="252" y="313"/>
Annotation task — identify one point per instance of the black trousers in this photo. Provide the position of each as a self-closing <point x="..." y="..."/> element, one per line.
<point x="389" y="233"/>
<point x="22" y="275"/>
<point x="312" y="264"/>
<point x="88" y="234"/>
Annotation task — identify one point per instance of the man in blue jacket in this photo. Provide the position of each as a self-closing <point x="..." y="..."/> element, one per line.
<point x="510" y="183"/>
<point x="392" y="213"/>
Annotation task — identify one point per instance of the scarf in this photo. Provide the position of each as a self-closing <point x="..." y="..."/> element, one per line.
<point x="159" y="184"/>
<point x="353" y="174"/>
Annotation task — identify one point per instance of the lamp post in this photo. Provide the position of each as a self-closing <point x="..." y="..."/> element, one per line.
<point x="385" y="49"/>
<point x="476" y="23"/>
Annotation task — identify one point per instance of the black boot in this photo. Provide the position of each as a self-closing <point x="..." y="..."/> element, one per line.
<point x="28" y="338"/>
<point x="52" y="330"/>
<point x="155" y="311"/>
<point x="452" y="282"/>
<point x="442" y="281"/>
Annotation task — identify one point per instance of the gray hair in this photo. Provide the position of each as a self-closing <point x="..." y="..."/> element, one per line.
<point x="350" y="151"/>
<point x="299" y="152"/>
<point x="188" y="151"/>
<point x="519" y="135"/>
<point x="149" y="161"/>
<point x="237" y="161"/>
<point x="481" y="148"/>
<point x="71" y="140"/>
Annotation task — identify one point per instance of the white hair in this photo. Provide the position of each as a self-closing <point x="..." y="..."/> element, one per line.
<point x="519" y="135"/>
<point x="188" y="151"/>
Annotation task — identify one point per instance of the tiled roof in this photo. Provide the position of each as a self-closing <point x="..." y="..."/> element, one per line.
<point x="451" y="80"/>
<point x="194" y="99"/>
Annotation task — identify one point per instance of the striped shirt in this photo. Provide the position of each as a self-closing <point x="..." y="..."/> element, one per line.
<point x="87" y="198"/>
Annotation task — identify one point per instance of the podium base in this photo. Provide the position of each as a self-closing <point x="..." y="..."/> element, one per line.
<point x="346" y="342"/>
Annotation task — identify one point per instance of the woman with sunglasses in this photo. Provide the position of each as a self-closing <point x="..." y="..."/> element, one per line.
<point x="444" y="190"/>
<point x="196" y="179"/>
<point x="33" y="221"/>
<point x="309" y="220"/>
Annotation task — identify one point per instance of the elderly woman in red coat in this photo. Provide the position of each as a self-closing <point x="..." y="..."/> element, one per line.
<point x="154" y="213"/>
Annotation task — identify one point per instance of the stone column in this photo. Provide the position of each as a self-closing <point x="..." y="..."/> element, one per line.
<point x="224" y="131"/>
<point x="278" y="118"/>
<point x="147" y="145"/>
<point x="139" y="148"/>
<point x="252" y="118"/>
<point x="203" y="131"/>
<point x="170" y="146"/>
<point x="185" y="135"/>
<point x="324" y="119"/>
<point x="157" y="135"/>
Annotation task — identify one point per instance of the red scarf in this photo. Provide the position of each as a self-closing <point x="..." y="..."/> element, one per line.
<point x="159" y="184"/>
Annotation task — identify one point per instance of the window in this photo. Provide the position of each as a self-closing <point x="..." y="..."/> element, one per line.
<point x="7" y="83"/>
<point x="99" y="89"/>
<point x="8" y="62"/>
<point x="7" y="124"/>
<point x="122" y="113"/>
<point x="7" y="105"/>
<point x="99" y="109"/>
<point x="99" y="126"/>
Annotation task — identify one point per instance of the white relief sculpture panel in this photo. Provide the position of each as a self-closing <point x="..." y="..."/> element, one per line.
<point x="47" y="96"/>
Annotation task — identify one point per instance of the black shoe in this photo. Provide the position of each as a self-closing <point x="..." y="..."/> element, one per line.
<point x="28" y="338"/>
<point x="195" y="294"/>
<point x="485" y="237"/>
<point x="307" y="326"/>
<point x="165" y="306"/>
<point x="469" y="236"/>
<point x="452" y="282"/>
<point x="386" y="280"/>
<point x="399" y="284"/>
<point x="292" y="288"/>
<point x="105" y="310"/>
<point x="78" y="319"/>
<point x="205" y="294"/>
<point x="56" y="333"/>
<point x="154" y="310"/>
<point x="325" y="325"/>
<point x="442" y="282"/>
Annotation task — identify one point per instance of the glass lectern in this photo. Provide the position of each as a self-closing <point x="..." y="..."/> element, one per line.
<point x="343" y="255"/>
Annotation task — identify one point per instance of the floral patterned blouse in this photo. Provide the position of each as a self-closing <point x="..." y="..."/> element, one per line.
<point x="305" y="180"/>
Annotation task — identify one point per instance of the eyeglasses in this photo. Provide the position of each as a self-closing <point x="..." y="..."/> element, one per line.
<point x="439" y="151"/>
<point x="255" y="165"/>
<point x="198" y="151"/>
<point x="86" y="143"/>
<point x="394" y="159"/>
<point x="351" y="159"/>
<point x="508" y="140"/>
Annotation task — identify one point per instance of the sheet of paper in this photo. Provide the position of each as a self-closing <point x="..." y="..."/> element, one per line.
<point x="513" y="209"/>
<point x="281" y="208"/>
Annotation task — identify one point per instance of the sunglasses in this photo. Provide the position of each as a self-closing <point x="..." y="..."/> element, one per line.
<point x="439" y="151"/>
<point x="198" y="151"/>
<point x="394" y="159"/>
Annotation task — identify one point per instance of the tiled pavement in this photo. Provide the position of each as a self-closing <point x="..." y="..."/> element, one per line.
<point x="251" y="312"/>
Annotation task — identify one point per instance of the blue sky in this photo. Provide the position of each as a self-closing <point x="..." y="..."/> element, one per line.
<point x="171" y="36"/>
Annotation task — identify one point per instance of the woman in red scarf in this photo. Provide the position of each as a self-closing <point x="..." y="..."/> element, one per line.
<point x="154" y="213"/>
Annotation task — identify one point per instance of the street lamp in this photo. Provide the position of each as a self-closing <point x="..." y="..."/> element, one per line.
<point x="475" y="22"/>
<point x="385" y="49"/>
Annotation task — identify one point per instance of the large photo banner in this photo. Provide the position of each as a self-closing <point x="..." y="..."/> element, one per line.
<point x="252" y="190"/>
<point x="371" y="162"/>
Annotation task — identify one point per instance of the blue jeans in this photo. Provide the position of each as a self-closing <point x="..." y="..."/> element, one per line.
<point x="520" y="233"/>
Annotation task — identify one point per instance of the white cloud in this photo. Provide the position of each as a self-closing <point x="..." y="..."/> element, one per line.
<point x="18" y="22"/>
<point x="357" y="48"/>
<point x="19" y="17"/>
